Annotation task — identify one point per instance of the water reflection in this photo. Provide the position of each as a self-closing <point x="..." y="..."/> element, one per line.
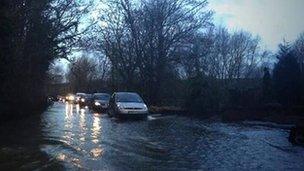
<point x="66" y="158"/>
<point x="95" y="128"/>
<point x="61" y="157"/>
<point x="68" y="109"/>
<point x="97" y="142"/>
<point x="68" y="124"/>
<point x="82" y="119"/>
<point x="82" y="125"/>
<point x="77" y="108"/>
<point x="96" y="152"/>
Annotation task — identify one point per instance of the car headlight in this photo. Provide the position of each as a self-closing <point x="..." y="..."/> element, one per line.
<point x="82" y="100"/>
<point x="71" y="97"/>
<point x="145" y="107"/>
<point x="119" y="107"/>
<point x="97" y="104"/>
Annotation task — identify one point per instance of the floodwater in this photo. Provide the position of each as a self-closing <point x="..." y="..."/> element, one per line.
<point x="69" y="138"/>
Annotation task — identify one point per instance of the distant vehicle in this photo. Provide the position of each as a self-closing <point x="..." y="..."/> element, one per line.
<point x="51" y="99"/>
<point x="80" y="96"/>
<point x="70" y="98"/>
<point x="61" y="98"/>
<point x="100" y="101"/>
<point x="86" y="100"/>
<point x="126" y="105"/>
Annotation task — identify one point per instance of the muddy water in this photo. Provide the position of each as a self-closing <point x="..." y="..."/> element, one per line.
<point x="67" y="137"/>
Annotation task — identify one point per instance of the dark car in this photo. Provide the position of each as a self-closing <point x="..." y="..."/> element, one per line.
<point x="79" y="96"/>
<point x="86" y="100"/>
<point x="100" y="102"/>
<point x="127" y="105"/>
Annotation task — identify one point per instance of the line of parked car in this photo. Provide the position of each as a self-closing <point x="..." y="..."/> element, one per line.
<point x="119" y="104"/>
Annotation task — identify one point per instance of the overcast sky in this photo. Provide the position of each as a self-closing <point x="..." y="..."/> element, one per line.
<point x="272" y="20"/>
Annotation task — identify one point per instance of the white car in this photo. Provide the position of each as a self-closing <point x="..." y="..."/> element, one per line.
<point x="127" y="105"/>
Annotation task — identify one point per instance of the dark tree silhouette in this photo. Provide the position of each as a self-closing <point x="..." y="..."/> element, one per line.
<point x="33" y="33"/>
<point x="267" y="86"/>
<point x="82" y="71"/>
<point x="287" y="77"/>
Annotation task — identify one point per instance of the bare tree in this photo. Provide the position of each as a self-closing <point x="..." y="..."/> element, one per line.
<point x="116" y="43"/>
<point x="82" y="71"/>
<point x="56" y="73"/>
<point x="223" y="55"/>
<point x="141" y="38"/>
<point x="219" y="57"/>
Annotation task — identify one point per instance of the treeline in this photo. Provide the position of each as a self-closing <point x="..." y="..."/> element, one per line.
<point x="167" y="50"/>
<point x="286" y="84"/>
<point x="32" y="34"/>
<point x="171" y="52"/>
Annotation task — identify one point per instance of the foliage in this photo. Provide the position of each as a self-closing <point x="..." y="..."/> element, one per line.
<point x="167" y="50"/>
<point x="141" y="39"/>
<point x="82" y="72"/>
<point x="287" y="77"/>
<point x="202" y="95"/>
<point x="33" y="33"/>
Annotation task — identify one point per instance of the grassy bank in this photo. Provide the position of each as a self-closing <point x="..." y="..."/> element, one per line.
<point x="277" y="114"/>
<point x="166" y="110"/>
<point x="268" y="113"/>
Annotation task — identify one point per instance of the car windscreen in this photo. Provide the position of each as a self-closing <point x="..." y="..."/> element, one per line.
<point x="128" y="97"/>
<point x="81" y="95"/>
<point x="102" y="97"/>
<point x="88" y="96"/>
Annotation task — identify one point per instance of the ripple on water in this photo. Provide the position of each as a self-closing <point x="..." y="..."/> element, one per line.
<point x="94" y="141"/>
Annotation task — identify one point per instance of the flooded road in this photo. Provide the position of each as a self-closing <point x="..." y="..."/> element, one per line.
<point x="67" y="137"/>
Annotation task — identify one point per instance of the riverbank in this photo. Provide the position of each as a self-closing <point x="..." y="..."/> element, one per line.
<point x="167" y="110"/>
<point x="273" y="114"/>
<point x="280" y="116"/>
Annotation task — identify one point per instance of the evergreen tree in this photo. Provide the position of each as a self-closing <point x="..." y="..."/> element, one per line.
<point x="284" y="48"/>
<point x="287" y="77"/>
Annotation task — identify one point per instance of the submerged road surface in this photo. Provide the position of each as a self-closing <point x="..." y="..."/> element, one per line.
<point x="67" y="137"/>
